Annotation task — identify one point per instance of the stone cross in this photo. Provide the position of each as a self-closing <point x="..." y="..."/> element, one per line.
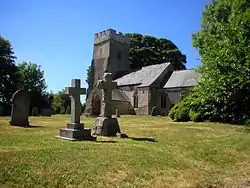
<point x="75" y="91"/>
<point x="107" y="86"/>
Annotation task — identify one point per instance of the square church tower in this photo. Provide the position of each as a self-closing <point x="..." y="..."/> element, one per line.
<point x="111" y="54"/>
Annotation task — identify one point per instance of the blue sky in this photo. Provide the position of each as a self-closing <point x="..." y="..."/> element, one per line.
<point x="58" y="34"/>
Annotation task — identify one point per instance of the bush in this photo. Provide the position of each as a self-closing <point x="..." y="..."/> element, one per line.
<point x="180" y="111"/>
<point x="194" y="116"/>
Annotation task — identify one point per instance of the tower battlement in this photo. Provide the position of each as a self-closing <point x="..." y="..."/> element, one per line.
<point x="110" y="34"/>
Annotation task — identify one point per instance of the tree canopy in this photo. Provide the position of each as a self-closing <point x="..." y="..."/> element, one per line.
<point x="32" y="77"/>
<point x="148" y="50"/>
<point x="223" y="94"/>
<point x="9" y="76"/>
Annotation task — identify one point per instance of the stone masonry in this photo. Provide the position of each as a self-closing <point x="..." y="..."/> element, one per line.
<point x="111" y="54"/>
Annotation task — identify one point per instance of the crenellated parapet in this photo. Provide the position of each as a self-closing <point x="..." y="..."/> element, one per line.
<point x="110" y="34"/>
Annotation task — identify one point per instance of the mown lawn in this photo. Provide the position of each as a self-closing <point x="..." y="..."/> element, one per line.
<point x="159" y="153"/>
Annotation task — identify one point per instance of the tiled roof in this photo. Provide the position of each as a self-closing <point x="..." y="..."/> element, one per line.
<point x="143" y="77"/>
<point x="183" y="78"/>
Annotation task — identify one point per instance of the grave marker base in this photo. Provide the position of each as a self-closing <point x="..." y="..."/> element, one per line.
<point x="104" y="126"/>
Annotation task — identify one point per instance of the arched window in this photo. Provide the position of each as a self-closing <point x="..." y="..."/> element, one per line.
<point x="135" y="101"/>
<point x="135" y="98"/>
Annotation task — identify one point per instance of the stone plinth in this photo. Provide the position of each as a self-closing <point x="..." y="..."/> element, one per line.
<point x="104" y="126"/>
<point x="76" y="132"/>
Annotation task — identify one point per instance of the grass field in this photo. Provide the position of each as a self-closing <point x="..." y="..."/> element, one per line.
<point x="159" y="153"/>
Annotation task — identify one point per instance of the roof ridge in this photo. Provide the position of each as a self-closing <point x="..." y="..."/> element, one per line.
<point x="184" y="70"/>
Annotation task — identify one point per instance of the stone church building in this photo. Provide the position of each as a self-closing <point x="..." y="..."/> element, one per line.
<point x="138" y="91"/>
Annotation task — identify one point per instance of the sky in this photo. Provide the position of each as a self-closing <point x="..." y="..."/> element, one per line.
<point x="58" y="35"/>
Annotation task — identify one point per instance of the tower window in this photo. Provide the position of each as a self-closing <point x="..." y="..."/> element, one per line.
<point x="119" y="55"/>
<point x="163" y="101"/>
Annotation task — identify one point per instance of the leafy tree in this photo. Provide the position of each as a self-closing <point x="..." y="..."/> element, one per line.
<point x="32" y="77"/>
<point x="60" y="100"/>
<point x="223" y="94"/>
<point x="90" y="77"/>
<point x="148" y="50"/>
<point x="9" y="78"/>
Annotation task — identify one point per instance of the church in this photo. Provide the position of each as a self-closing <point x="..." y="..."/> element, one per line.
<point x="156" y="87"/>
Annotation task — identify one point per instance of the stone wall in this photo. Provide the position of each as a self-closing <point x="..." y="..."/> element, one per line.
<point x="155" y="97"/>
<point x="143" y="101"/>
<point x="175" y="94"/>
<point x="124" y="107"/>
<point x="142" y="94"/>
<point x="110" y="34"/>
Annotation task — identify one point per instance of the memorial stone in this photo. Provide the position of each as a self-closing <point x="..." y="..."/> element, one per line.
<point x="20" y="108"/>
<point x="75" y="129"/>
<point x="105" y="125"/>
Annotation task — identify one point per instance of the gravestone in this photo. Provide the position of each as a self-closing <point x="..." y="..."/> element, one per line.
<point x="20" y="108"/>
<point x="105" y="125"/>
<point x="117" y="113"/>
<point x="75" y="129"/>
<point x="155" y="111"/>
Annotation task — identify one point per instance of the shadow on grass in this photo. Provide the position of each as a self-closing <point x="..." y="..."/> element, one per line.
<point x="143" y="139"/>
<point x="28" y="126"/>
<point x="106" y="141"/>
<point x="34" y="126"/>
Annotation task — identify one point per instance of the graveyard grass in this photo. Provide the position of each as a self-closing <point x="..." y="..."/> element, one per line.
<point x="159" y="153"/>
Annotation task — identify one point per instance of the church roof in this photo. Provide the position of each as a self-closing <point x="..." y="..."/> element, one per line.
<point x="143" y="77"/>
<point x="183" y="78"/>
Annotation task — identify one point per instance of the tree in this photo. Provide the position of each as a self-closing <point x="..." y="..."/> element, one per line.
<point x="90" y="78"/>
<point x="60" y="100"/>
<point x="148" y="50"/>
<point x="9" y="77"/>
<point x="223" y="94"/>
<point x="32" y="77"/>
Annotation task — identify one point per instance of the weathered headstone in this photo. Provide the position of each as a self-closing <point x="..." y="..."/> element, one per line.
<point x="75" y="130"/>
<point x="20" y="108"/>
<point x="105" y="125"/>
<point x="117" y="113"/>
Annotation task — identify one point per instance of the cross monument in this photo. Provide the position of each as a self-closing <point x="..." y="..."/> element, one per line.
<point x="107" y="85"/>
<point x="75" y="91"/>
<point x="75" y="129"/>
